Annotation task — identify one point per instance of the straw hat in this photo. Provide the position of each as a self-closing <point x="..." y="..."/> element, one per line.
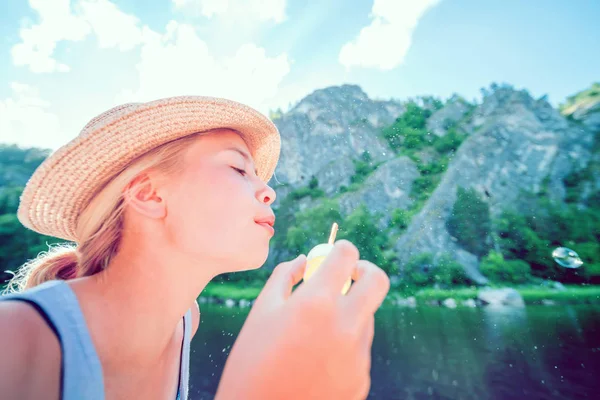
<point x="66" y="181"/>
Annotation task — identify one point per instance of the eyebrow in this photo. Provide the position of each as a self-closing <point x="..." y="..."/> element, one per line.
<point x="243" y="154"/>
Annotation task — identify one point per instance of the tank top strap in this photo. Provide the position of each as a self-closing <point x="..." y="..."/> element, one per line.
<point x="81" y="371"/>
<point x="184" y="373"/>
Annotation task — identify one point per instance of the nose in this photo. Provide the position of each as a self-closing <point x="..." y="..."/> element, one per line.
<point x="266" y="194"/>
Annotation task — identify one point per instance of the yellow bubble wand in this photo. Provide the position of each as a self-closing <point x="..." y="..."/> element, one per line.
<point x="317" y="255"/>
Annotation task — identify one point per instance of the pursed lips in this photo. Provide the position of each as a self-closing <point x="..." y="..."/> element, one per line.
<point x="267" y="223"/>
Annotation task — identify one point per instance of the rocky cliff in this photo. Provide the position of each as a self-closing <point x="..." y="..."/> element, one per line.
<point x="392" y="174"/>
<point x="326" y="130"/>
<point x="511" y="144"/>
<point x="515" y="144"/>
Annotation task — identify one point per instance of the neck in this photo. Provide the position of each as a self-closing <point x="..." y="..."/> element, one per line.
<point x="133" y="307"/>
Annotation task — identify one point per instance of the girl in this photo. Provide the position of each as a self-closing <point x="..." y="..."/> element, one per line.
<point x="157" y="199"/>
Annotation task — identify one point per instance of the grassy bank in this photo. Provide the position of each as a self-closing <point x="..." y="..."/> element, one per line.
<point x="531" y="294"/>
<point x="572" y="294"/>
<point x="233" y="291"/>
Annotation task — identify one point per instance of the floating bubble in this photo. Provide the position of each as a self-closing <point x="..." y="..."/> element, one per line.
<point x="566" y="257"/>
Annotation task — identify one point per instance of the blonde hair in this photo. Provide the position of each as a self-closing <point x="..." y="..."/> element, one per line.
<point x="99" y="226"/>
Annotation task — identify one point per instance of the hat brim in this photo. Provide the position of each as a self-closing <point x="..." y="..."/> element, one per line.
<point x="65" y="182"/>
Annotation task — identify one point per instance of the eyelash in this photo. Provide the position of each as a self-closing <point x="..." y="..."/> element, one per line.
<point x="240" y="171"/>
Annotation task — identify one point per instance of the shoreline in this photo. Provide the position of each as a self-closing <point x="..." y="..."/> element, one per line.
<point x="243" y="295"/>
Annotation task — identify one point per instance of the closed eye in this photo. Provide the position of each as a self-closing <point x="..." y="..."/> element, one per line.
<point x="240" y="171"/>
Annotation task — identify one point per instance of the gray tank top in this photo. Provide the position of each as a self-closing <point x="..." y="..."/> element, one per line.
<point x="81" y="371"/>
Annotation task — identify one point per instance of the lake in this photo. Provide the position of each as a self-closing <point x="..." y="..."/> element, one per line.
<point x="537" y="352"/>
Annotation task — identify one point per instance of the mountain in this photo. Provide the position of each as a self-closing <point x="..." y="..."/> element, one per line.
<point x="499" y="152"/>
<point x="329" y="128"/>
<point x="515" y="144"/>
<point x="433" y="191"/>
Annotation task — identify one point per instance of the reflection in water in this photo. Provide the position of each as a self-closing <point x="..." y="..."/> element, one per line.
<point x="437" y="353"/>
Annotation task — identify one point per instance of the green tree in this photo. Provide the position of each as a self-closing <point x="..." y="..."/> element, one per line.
<point x="409" y="130"/>
<point x="589" y="253"/>
<point x="533" y="236"/>
<point x="19" y="244"/>
<point x="470" y="221"/>
<point x="360" y="228"/>
<point x="451" y="141"/>
<point x="312" y="226"/>
<point x="362" y="168"/>
<point x="519" y="241"/>
<point x="400" y="219"/>
<point x="9" y="199"/>
<point x="416" y="271"/>
<point x="449" y="272"/>
<point x="497" y="269"/>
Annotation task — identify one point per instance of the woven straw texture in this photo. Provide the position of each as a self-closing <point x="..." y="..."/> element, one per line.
<point x="66" y="181"/>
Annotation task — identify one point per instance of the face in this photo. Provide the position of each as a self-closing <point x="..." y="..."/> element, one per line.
<point x="212" y="206"/>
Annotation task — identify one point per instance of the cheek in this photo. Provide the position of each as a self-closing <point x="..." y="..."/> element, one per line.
<point x="212" y="216"/>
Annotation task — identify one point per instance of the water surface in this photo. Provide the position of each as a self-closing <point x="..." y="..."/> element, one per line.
<point x="535" y="352"/>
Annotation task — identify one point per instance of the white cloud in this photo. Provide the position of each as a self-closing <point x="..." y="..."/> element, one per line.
<point x="173" y="62"/>
<point x="384" y="43"/>
<point x="180" y="63"/>
<point x="58" y="22"/>
<point x="259" y="10"/>
<point x="38" y="42"/>
<point x="25" y="119"/>
<point x="113" y="28"/>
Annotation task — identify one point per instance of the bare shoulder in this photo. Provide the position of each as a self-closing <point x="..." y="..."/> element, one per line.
<point x="195" y="317"/>
<point x="31" y="358"/>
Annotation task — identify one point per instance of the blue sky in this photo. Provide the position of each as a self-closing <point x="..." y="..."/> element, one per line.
<point x="65" y="61"/>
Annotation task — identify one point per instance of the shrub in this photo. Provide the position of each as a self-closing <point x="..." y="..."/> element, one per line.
<point x="361" y="229"/>
<point x="362" y="168"/>
<point x="451" y="141"/>
<point x="416" y="270"/>
<point x="449" y="272"/>
<point x="533" y="237"/>
<point x="409" y="130"/>
<point x="470" y="221"/>
<point x="400" y="218"/>
<point x="497" y="269"/>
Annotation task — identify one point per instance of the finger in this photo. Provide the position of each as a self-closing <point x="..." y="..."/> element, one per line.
<point x="369" y="289"/>
<point x="283" y="278"/>
<point x="337" y="267"/>
<point x="366" y="343"/>
<point x="367" y="338"/>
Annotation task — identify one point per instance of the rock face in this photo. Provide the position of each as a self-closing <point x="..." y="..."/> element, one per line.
<point x="584" y="107"/>
<point x="450" y="114"/>
<point x="589" y="114"/>
<point x="384" y="190"/>
<point x="323" y="133"/>
<point x="501" y="297"/>
<point x="516" y="143"/>
<point x="513" y="143"/>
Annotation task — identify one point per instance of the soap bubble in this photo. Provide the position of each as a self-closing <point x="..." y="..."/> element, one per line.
<point x="566" y="257"/>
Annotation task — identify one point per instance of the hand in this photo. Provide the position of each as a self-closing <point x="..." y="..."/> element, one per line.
<point x="314" y="343"/>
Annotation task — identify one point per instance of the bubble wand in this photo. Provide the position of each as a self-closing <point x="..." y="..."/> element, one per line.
<point x="319" y="253"/>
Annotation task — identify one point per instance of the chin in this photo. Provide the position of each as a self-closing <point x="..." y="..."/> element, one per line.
<point x="252" y="261"/>
<point x="253" y="264"/>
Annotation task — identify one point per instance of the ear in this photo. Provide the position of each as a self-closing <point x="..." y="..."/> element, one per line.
<point x="142" y="196"/>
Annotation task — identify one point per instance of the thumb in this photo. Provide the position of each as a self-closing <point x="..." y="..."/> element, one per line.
<point x="283" y="278"/>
